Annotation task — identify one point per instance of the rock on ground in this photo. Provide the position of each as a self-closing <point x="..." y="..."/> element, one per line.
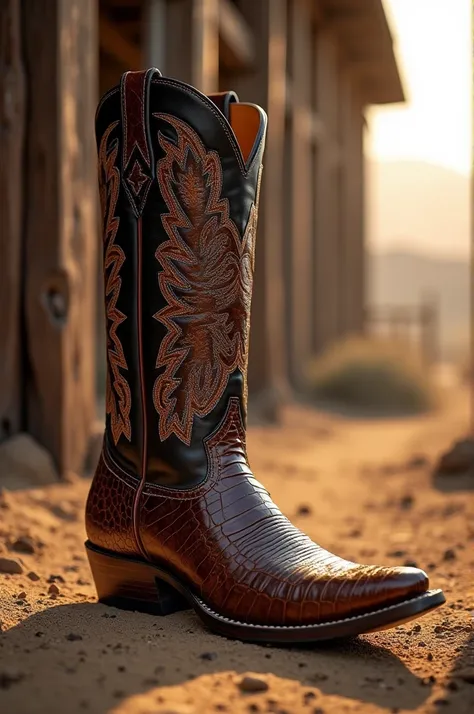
<point x="25" y="464"/>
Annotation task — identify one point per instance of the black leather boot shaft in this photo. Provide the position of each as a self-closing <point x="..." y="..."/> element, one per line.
<point x="179" y="196"/>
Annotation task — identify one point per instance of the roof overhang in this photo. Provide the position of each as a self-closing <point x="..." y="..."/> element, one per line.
<point x="363" y="31"/>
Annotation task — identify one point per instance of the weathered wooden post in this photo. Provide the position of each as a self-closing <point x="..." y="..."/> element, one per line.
<point x="265" y="85"/>
<point x="12" y="124"/>
<point x="195" y="57"/>
<point x="48" y="218"/>
<point x="301" y="238"/>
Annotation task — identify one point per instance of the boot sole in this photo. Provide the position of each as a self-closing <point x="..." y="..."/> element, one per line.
<point x="131" y="584"/>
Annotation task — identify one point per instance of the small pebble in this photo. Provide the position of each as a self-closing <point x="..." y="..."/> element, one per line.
<point x="303" y="510"/>
<point x="449" y="554"/>
<point x="53" y="589"/>
<point x="33" y="576"/>
<point x="252" y="683"/>
<point x="406" y="502"/>
<point x="9" y="677"/>
<point x="10" y="566"/>
<point x="72" y="637"/>
<point x="417" y="461"/>
<point x="23" y="544"/>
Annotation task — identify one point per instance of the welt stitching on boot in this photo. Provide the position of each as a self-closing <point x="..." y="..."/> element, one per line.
<point x="175" y="517"/>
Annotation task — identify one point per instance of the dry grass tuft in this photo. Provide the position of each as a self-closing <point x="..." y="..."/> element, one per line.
<point x="374" y="376"/>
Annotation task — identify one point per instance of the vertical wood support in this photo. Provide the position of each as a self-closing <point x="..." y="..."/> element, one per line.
<point x="205" y="45"/>
<point x="347" y="206"/>
<point x="192" y="54"/>
<point x="154" y="34"/>
<point x="359" y="310"/>
<point x="61" y="225"/>
<point x="352" y="244"/>
<point x="326" y="255"/>
<point x="12" y="121"/>
<point x="266" y="86"/>
<point x="301" y="238"/>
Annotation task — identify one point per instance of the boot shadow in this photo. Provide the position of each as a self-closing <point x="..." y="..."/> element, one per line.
<point x="90" y="657"/>
<point x="459" y="691"/>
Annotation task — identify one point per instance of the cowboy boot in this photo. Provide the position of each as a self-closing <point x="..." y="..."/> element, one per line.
<point x="175" y="519"/>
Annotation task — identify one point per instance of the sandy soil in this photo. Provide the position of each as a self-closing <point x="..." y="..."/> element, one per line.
<point x="364" y="489"/>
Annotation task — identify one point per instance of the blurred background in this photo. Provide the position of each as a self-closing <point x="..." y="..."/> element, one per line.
<point x="361" y="293"/>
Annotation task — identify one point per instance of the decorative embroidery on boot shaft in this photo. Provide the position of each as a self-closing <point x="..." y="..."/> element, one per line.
<point x="206" y="280"/>
<point x="136" y="158"/>
<point x="118" y="396"/>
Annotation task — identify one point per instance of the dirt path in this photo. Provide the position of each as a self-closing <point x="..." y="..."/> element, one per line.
<point x="354" y="486"/>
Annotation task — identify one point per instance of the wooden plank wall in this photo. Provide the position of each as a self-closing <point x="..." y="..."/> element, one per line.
<point x="12" y="123"/>
<point x="193" y="56"/>
<point x="328" y="208"/>
<point x="302" y="192"/>
<point x="325" y="240"/>
<point x="266" y="85"/>
<point x="308" y="288"/>
<point x="60" y="237"/>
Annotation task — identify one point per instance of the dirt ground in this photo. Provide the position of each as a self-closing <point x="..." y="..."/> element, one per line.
<point x="364" y="489"/>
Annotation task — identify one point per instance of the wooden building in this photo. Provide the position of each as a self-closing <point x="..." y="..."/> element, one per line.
<point x="314" y="65"/>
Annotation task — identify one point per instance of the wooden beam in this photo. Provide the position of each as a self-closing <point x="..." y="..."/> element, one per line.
<point x="352" y="239"/>
<point x="193" y="54"/>
<point x="12" y="122"/>
<point x="350" y="24"/>
<point x="266" y="86"/>
<point x="61" y="226"/>
<point x="205" y="45"/>
<point x="326" y="292"/>
<point x="300" y="240"/>
<point x="154" y="33"/>
<point x="236" y="38"/>
<point x="119" y="47"/>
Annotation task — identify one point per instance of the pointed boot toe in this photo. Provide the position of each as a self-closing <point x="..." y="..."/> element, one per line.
<point x="175" y="518"/>
<point x="403" y="582"/>
<point x="362" y="589"/>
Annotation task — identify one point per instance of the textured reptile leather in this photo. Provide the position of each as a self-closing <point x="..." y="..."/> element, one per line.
<point x="109" y="511"/>
<point x="186" y="499"/>
<point x="234" y="548"/>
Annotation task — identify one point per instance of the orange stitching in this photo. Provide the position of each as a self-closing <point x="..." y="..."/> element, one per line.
<point x="118" y="396"/>
<point x="206" y="281"/>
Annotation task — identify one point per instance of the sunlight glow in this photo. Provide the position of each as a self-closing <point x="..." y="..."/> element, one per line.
<point x="433" y="46"/>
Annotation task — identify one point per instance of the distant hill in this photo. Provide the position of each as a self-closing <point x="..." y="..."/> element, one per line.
<point x="419" y="206"/>
<point x="400" y="278"/>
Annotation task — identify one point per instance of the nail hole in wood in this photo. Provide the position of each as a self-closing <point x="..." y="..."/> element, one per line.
<point x="56" y="306"/>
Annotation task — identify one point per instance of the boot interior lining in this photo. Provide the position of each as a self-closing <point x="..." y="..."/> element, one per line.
<point x="245" y="121"/>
